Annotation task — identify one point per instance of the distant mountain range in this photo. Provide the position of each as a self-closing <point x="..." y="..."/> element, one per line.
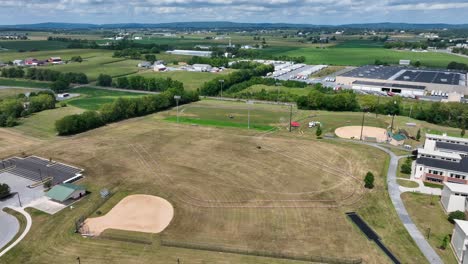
<point x="226" y="25"/>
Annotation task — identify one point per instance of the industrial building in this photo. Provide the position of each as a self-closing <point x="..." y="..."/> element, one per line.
<point x="405" y="80"/>
<point x="443" y="159"/>
<point x="198" y="53"/>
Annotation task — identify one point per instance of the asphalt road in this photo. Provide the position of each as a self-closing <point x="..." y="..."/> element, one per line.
<point x="8" y="228"/>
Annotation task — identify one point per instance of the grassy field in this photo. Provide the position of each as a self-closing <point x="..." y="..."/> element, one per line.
<point x="232" y="194"/>
<point x="14" y="92"/>
<point x="409" y="184"/>
<point x="362" y="52"/>
<point x="274" y="89"/>
<point x="93" y="99"/>
<point x="42" y="124"/>
<point x="191" y="80"/>
<point x="430" y="216"/>
<point x="23" y="83"/>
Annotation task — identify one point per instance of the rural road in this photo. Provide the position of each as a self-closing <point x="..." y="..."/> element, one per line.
<point x="394" y="192"/>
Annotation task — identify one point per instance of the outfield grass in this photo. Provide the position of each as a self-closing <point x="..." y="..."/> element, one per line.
<point x="93" y="98"/>
<point x="409" y="184"/>
<point x="357" y="53"/>
<point x="23" y="83"/>
<point x="217" y="123"/>
<point x="191" y="80"/>
<point x="425" y="216"/>
<point x="42" y="124"/>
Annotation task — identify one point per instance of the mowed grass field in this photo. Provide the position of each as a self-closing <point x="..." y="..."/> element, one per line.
<point x="23" y="83"/>
<point x="362" y="52"/>
<point x="28" y="45"/>
<point x="225" y="191"/>
<point x="427" y="215"/>
<point x="9" y="92"/>
<point x="93" y="98"/>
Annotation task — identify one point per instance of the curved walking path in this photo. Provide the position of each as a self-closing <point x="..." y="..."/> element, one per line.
<point x="394" y="192"/>
<point x="25" y="232"/>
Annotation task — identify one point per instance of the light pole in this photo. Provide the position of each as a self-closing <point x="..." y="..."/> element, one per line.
<point x="222" y="84"/>
<point x="19" y="199"/>
<point x="290" y="116"/>
<point x="277" y="92"/>
<point x="78" y="259"/>
<point x="362" y="124"/>
<point x="177" y="98"/>
<point x="393" y="117"/>
<point x="248" y="113"/>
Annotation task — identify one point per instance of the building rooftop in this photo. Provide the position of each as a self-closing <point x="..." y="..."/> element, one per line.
<point x="456" y="187"/>
<point x="440" y="77"/>
<point x="450" y="146"/>
<point x="62" y="192"/>
<point x="373" y="72"/>
<point x="462" y="224"/>
<point x="461" y="166"/>
<point x="439" y="153"/>
<point x="391" y="85"/>
<point x="445" y="137"/>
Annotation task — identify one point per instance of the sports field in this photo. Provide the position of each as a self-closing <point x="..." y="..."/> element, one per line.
<point x="232" y="195"/>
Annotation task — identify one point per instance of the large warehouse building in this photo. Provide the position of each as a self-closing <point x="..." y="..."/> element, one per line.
<point x="404" y="80"/>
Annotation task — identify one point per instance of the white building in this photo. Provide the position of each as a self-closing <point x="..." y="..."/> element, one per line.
<point x="202" y="67"/>
<point x="198" y="53"/>
<point x="443" y="159"/>
<point x="454" y="197"/>
<point x="460" y="240"/>
<point x="18" y="62"/>
<point x="159" y="67"/>
<point x="144" y="64"/>
<point x="405" y="62"/>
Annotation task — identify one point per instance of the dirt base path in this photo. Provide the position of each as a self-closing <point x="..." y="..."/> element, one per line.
<point x="354" y="132"/>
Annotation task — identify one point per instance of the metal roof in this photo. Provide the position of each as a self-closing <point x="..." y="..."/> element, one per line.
<point x="391" y="85"/>
<point x="461" y="166"/>
<point x="450" y="146"/>
<point x="62" y="192"/>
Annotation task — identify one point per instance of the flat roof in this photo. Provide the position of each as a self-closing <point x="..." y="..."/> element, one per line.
<point x="461" y="166"/>
<point x="456" y="187"/>
<point x="450" y="146"/>
<point x="445" y="137"/>
<point x="439" y="153"/>
<point x="373" y="72"/>
<point x="391" y="85"/>
<point x="424" y="76"/>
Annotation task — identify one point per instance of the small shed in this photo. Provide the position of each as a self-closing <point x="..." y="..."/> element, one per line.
<point x="65" y="191"/>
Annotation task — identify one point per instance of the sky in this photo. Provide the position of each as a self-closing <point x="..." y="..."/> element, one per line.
<point x="323" y="12"/>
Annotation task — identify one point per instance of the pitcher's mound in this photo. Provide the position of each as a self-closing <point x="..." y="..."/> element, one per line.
<point x="368" y="133"/>
<point x="141" y="213"/>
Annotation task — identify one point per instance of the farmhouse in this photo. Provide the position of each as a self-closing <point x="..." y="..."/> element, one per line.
<point x="191" y="53"/>
<point x="454" y="197"/>
<point x="66" y="191"/>
<point x="31" y="62"/>
<point x="460" y="240"/>
<point x="404" y="80"/>
<point x="443" y="159"/>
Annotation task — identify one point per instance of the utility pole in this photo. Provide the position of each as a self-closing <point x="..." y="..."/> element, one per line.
<point x="248" y="113"/>
<point x="78" y="259"/>
<point x="290" y="116"/>
<point x="410" y="111"/>
<point x="393" y="117"/>
<point x="277" y="93"/>
<point x="222" y="84"/>
<point x="362" y="123"/>
<point x="377" y="106"/>
<point x="177" y="98"/>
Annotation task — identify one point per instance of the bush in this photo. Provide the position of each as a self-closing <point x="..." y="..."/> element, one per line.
<point x="4" y="190"/>
<point x="369" y="180"/>
<point x="459" y="215"/>
<point x="104" y="80"/>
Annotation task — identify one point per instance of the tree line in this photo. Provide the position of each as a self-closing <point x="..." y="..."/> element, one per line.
<point x="147" y="84"/>
<point x="329" y="100"/>
<point x="123" y="108"/>
<point x="13" y="108"/>
<point x="457" y="66"/>
<point x="213" y="87"/>
<point x="215" y="61"/>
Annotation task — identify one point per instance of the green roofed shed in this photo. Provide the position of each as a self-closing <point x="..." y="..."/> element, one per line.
<point x="64" y="191"/>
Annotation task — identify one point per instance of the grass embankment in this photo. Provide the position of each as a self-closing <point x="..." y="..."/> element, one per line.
<point x="430" y="219"/>
<point x="94" y="98"/>
<point x="22" y="224"/>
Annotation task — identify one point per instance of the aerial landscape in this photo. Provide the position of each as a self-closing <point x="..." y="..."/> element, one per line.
<point x="233" y="132"/>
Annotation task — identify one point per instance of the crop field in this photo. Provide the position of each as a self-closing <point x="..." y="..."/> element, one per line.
<point x="191" y="80"/>
<point x="23" y="83"/>
<point x="357" y="53"/>
<point x="232" y="195"/>
<point x="29" y="45"/>
<point x="65" y="54"/>
<point x="93" y="99"/>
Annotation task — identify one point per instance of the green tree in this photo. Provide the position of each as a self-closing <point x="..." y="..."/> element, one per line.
<point x="444" y="243"/>
<point x="456" y="215"/>
<point x="318" y="132"/>
<point x="60" y="85"/>
<point x="462" y="133"/>
<point x="104" y="80"/>
<point x="418" y="135"/>
<point x="4" y="190"/>
<point x="417" y="64"/>
<point x="369" y="180"/>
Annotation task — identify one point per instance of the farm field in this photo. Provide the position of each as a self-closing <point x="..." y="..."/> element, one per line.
<point x="29" y="45"/>
<point x="65" y="54"/>
<point x="232" y="197"/>
<point x="357" y="53"/>
<point x="430" y="216"/>
<point x="42" y="124"/>
<point x="93" y="99"/>
<point x="23" y="83"/>
<point x="191" y="80"/>
<point x="8" y="92"/>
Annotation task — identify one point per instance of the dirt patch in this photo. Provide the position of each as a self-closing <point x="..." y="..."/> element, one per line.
<point x="368" y="133"/>
<point x="141" y="213"/>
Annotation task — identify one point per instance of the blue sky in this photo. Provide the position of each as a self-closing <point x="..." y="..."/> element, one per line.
<point x="290" y="11"/>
